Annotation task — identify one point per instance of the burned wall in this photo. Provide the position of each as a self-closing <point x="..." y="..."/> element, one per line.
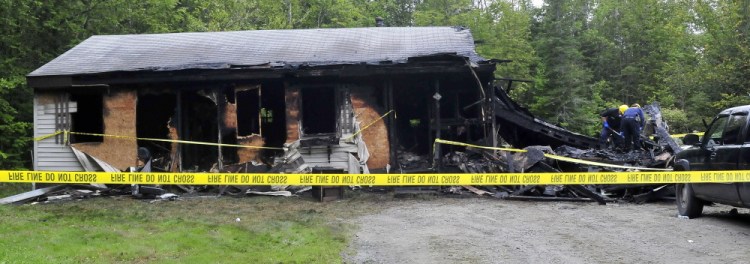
<point x="119" y="118"/>
<point x="230" y="116"/>
<point x="376" y="135"/>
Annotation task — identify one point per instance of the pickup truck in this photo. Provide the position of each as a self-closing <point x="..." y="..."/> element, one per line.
<point x="724" y="146"/>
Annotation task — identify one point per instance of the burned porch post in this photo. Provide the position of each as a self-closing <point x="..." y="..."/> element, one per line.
<point x="219" y="106"/>
<point x="438" y="127"/>
<point x="493" y="109"/>
<point x="180" y="133"/>
<point x="391" y="123"/>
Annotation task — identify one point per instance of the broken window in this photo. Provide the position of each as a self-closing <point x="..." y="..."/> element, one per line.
<point x="266" y="115"/>
<point x="87" y="116"/>
<point x="318" y="110"/>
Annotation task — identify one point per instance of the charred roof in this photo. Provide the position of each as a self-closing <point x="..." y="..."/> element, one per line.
<point x="268" y="49"/>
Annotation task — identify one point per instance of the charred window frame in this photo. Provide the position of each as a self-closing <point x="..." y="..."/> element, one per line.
<point x="266" y="115"/>
<point x="250" y="113"/>
<point x="86" y="110"/>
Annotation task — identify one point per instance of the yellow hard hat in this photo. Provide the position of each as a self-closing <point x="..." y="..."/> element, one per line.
<point x="635" y="105"/>
<point x="623" y="108"/>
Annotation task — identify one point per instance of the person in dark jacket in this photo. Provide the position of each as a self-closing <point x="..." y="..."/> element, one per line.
<point x="611" y="120"/>
<point x="633" y="121"/>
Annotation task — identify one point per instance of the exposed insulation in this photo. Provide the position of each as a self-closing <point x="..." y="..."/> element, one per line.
<point x="173" y="152"/>
<point x="119" y="119"/>
<point x="291" y="97"/>
<point x="376" y="135"/>
<point x="249" y="154"/>
<point x="230" y="116"/>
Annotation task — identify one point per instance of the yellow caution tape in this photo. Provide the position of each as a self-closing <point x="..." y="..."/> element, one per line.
<point x="368" y="125"/>
<point x="377" y="179"/>
<point x="47" y="136"/>
<point x="66" y="133"/>
<point x="683" y="135"/>
<point x="579" y="161"/>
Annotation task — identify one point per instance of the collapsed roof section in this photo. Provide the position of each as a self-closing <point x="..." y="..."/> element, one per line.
<point x="125" y="58"/>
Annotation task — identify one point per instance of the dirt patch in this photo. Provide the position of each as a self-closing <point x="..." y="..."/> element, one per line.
<point x="493" y="231"/>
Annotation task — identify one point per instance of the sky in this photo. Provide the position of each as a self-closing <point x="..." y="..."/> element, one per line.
<point x="537" y="3"/>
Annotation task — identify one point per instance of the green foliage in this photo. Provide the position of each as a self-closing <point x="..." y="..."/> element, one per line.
<point x="14" y="146"/>
<point x="677" y="120"/>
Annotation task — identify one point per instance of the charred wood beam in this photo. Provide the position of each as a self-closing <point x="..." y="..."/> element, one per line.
<point x="523" y="189"/>
<point x="655" y="194"/>
<point x="436" y="147"/>
<point x="391" y="124"/>
<point x="503" y="188"/>
<point x="180" y="133"/>
<point x="543" y="167"/>
<point x="588" y="193"/>
<point x="547" y="198"/>
<point x="255" y="73"/>
<point x="654" y="111"/>
<point x="610" y="188"/>
<point x="218" y="98"/>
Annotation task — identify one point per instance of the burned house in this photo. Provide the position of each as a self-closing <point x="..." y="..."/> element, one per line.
<point x="350" y="100"/>
<point x="354" y="100"/>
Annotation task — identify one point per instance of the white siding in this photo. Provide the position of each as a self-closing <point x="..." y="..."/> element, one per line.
<point x="317" y="156"/>
<point x="49" y="156"/>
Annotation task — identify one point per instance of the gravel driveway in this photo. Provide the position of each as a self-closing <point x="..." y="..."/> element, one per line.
<point x="474" y="230"/>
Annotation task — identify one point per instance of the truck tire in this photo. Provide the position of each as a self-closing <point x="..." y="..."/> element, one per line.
<point x="687" y="204"/>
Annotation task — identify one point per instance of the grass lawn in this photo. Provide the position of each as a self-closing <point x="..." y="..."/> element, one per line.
<point x="193" y="230"/>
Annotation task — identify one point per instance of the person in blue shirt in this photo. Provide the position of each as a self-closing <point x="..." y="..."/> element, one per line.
<point x="611" y="119"/>
<point x="633" y="121"/>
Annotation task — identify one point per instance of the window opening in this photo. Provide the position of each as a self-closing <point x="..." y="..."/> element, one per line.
<point x="88" y="116"/>
<point x="318" y="110"/>
<point x="715" y="132"/>
<point x="734" y="126"/>
<point x="248" y="111"/>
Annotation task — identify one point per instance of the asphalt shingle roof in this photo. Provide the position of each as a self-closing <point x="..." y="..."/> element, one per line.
<point x="275" y="48"/>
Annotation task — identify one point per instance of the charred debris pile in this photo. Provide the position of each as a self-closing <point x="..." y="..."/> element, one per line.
<point x="658" y="150"/>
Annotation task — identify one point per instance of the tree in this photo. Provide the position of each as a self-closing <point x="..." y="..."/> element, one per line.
<point x="567" y="98"/>
<point x="726" y="52"/>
